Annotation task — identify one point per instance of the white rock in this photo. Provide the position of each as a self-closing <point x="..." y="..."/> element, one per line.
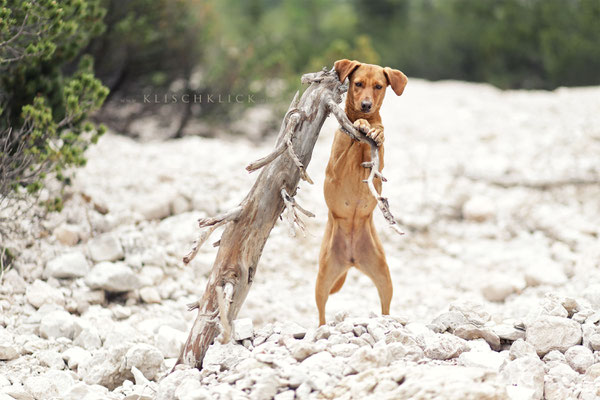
<point x="242" y="329"/>
<point x="81" y="391"/>
<point x="89" y="338"/>
<point x="63" y="380"/>
<point x="150" y="295"/>
<point x="508" y="332"/>
<point x="67" y="266"/>
<point x="106" y="367"/>
<point x="595" y="341"/>
<point x="376" y="331"/>
<point x="592" y="294"/>
<point x="294" y="329"/>
<point x="8" y="348"/>
<point x="112" y="277"/>
<point x="170" y="341"/>
<point x="16" y="391"/>
<point x="555" y="356"/>
<point x="498" y="289"/>
<point x="41" y="387"/>
<point x="148" y="359"/>
<point x="155" y="208"/>
<point x="553" y="333"/>
<point x="121" y="312"/>
<point x="489" y="360"/>
<point x="51" y="359"/>
<point x="559" y="382"/>
<point x="302" y="349"/>
<point x="192" y="389"/>
<point x="180" y="204"/>
<point x="448" y="382"/>
<point x="472" y="332"/>
<point x="169" y="385"/>
<point x="287" y="395"/>
<point x="479" y="209"/>
<point x="344" y="349"/>
<point x="105" y="247"/>
<point x="548" y="273"/>
<point x="40" y="293"/>
<point x="67" y="234"/>
<point x="151" y="275"/>
<point x="365" y="358"/>
<point x="265" y="388"/>
<point x="521" y="348"/>
<point x="75" y="356"/>
<point x="18" y="284"/>
<point x="473" y="311"/>
<point x="56" y="324"/>
<point x="526" y="373"/>
<point x="580" y="358"/>
<point x="444" y="346"/>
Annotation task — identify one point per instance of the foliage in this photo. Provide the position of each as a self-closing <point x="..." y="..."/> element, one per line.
<point x="43" y="107"/>
<point x="509" y="43"/>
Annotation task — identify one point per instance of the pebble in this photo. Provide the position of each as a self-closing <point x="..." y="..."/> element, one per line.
<point x="473" y="311"/>
<point x="112" y="277"/>
<point x="67" y="266"/>
<point x="580" y="358"/>
<point x="67" y="234"/>
<point x="553" y="333"/>
<point x="444" y="346"/>
<point x="242" y="329"/>
<point x="41" y="387"/>
<point x="521" y="348"/>
<point x="148" y="359"/>
<point x="548" y="273"/>
<point x="526" y="373"/>
<point x="105" y="247"/>
<point x="150" y="295"/>
<point x="75" y="356"/>
<point x="57" y="324"/>
<point x="51" y="359"/>
<point x="40" y="293"/>
<point x="479" y="209"/>
<point x="482" y="359"/>
<point x="170" y="341"/>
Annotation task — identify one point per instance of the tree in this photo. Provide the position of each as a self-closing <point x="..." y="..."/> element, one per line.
<point x="44" y="100"/>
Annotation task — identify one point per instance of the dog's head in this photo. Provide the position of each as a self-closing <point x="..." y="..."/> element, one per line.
<point x="367" y="84"/>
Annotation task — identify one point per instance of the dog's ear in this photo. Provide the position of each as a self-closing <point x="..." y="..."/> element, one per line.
<point x="345" y="67"/>
<point x="396" y="79"/>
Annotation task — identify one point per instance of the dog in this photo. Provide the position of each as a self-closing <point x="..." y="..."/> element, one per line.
<point x="350" y="238"/>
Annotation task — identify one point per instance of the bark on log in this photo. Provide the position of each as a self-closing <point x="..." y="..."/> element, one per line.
<point x="249" y="225"/>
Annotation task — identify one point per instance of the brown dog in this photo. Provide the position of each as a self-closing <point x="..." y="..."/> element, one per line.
<point x="350" y="238"/>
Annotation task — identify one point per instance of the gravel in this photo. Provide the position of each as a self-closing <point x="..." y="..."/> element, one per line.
<point x="496" y="279"/>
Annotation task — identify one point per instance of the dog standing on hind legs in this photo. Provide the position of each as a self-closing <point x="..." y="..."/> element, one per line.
<point x="350" y="238"/>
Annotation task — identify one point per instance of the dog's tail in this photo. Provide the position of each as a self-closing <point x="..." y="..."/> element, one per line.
<point x="338" y="284"/>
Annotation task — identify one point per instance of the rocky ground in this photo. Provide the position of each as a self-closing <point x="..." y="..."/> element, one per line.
<point x="497" y="279"/>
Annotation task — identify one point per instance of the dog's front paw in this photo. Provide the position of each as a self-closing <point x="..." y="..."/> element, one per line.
<point x="377" y="135"/>
<point x="362" y="125"/>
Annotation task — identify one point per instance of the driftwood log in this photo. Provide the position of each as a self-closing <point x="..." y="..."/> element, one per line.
<point x="248" y="226"/>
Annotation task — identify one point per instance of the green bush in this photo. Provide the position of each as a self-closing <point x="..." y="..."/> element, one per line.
<point x="44" y="100"/>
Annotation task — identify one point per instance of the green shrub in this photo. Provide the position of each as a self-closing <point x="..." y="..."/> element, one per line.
<point x="44" y="100"/>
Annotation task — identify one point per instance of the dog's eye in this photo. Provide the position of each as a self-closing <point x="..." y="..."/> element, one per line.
<point x="378" y="86"/>
<point x="358" y="84"/>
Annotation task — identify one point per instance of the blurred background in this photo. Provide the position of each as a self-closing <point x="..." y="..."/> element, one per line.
<point x="129" y="64"/>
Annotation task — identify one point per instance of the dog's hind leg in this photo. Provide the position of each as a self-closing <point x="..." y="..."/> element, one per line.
<point x="332" y="265"/>
<point x="338" y="284"/>
<point x="370" y="259"/>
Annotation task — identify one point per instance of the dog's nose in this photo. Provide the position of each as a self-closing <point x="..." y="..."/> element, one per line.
<point x="366" y="105"/>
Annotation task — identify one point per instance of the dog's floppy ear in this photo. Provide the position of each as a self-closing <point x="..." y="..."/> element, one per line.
<point x="396" y="79"/>
<point x="345" y="67"/>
